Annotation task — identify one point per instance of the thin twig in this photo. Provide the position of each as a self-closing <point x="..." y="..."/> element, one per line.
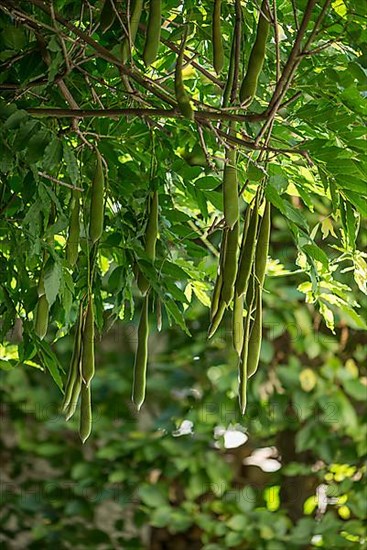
<point x="59" y="182"/>
<point x="291" y="65"/>
<point x="107" y="55"/>
<point x="276" y="40"/>
<point x="294" y="7"/>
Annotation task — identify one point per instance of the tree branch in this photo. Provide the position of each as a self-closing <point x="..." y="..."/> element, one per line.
<point x="141" y="112"/>
<point x="292" y="63"/>
<point x="59" y="182"/>
<point x="104" y="53"/>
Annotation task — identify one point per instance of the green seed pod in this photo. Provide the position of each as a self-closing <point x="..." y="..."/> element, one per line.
<point x="107" y="16"/>
<point x="182" y="97"/>
<point x="250" y="294"/>
<point x="216" y="295"/>
<point x="41" y="317"/>
<point x="230" y="76"/>
<point x="41" y="285"/>
<point x="72" y="244"/>
<point x="254" y="345"/>
<point x="85" y="426"/>
<point x="230" y="189"/>
<point x="247" y="253"/>
<point x="71" y="408"/>
<point x="153" y="35"/>
<point x="151" y="236"/>
<point x="133" y="28"/>
<point x="141" y="356"/>
<point x="246" y="224"/>
<point x="217" y="319"/>
<point x="262" y="246"/>
<point x="88" y="362"/>
<point x="152" y="228"/>
<point x="96" y="205"/>
<point x="256" y="59"/>
<point x="158" y="306"/>
<point x="242" y="366"/>
<point x="219" y="280"/>
<point x="74" y="368"/>
<point x="230" y="265"/>
<point x="237" y="324"/>
<point x="218" y="53"/>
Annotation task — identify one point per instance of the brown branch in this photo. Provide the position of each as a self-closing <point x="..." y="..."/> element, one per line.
<point x="276" y="40"/>
<point x="317" y="24"/>
<point x="105" y="54"/>
<point x="59" y="182"/>
<point x="292" y="63"/>
<point x="140" y="112"/>
<point x="255" y="147"/>
<point x="293" y="57"/>
<point x="294" y="8"/>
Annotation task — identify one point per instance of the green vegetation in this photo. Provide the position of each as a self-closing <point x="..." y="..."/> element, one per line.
<point x="171" y="173"/>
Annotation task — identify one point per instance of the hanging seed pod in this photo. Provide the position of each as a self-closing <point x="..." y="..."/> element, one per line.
<point x="71" y="408"/>
<point x="230" y="189"/>
<point x="242" y="366"/>
<point x="230" y="265"/>
<point x="72" y="244"/>
<point x="141" y="356"/>
<point x="153" y="35"/>
<point x="74" y="368"/>
<point x="243" y="360"/>
<point x="41" y="317"/>
<point x="247" y="252"/>
<point x="216" y="296"/>
<point x="219" y="280"/>
<point x="85" y="426"/>
<point x="254" y="345"/>
<point x="217" y="42"/>
<point x="217" y="318"/>
<point x="182" y="97"/>
<point x="133" y="28"/>
<point x="237" y="324"/>
<point x="262" y="246"/>
<point x="151" y="236"/>
<point x="96" y="205"/>
<point x="88" y="361"/>
<point x="256" y="59"/>
<point x="158" y="305"/>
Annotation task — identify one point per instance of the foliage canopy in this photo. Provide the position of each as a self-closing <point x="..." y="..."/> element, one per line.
<point x="74" y="87"/>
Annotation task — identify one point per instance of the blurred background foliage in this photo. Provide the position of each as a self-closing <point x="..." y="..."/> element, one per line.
<point x="188" y="470"/>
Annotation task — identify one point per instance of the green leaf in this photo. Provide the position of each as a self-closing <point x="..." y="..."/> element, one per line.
<point x="359" y="201"/>
<point x="71" y="163"/>
<point x="49" y="360"/>
<point x="356" y="389"/>
<point x="37" y="146"/>
<point x="53" y="154"/>
<point x="349" y="222"/>
<point x="152" y="496"/>
<point x="174" y="313"/>
<point x="14" y="37"/>
<point x="316" y="253"/>
<point x="52" y="280"/>
<point x="289" y="211"/>
<point x="15" y="119"/>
